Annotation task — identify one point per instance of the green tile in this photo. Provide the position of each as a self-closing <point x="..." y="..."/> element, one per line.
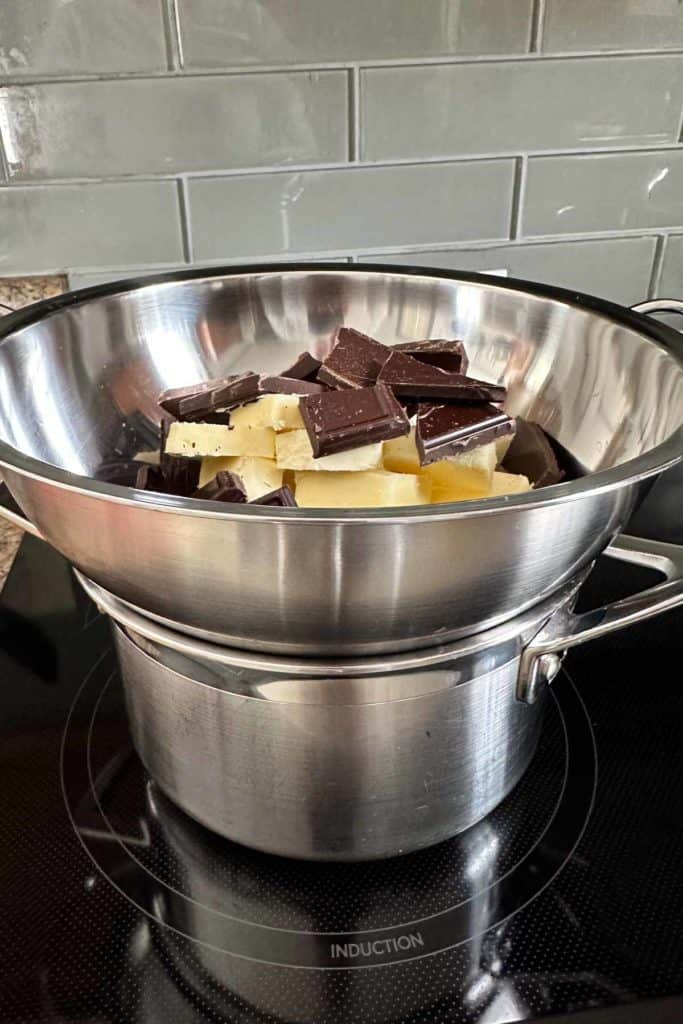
<point x="319" y="211"/>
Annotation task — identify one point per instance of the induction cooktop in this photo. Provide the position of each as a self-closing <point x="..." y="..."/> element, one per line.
<point x="563" y="904"/>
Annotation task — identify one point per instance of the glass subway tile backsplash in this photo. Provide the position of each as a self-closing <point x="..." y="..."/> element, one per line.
<point x="540" y="137"/>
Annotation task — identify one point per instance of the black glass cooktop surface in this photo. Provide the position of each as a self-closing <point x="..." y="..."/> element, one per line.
<point x="116" y="907"/>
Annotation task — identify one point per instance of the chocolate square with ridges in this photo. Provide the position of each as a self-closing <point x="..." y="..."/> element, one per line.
<point x="442" y="352"/>
<point x="338" y="421"/>
<point x="289" y="386"/>
<point x="409" y="377"/>
<point x="355" y="360"/>
<point x="193" y="403"/>
<point x="451" y="429"/>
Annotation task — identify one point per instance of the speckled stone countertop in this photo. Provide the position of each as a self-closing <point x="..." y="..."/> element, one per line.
<point x="16" y="292"/>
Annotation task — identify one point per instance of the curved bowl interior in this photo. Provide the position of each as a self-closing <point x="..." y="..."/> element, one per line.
<point x="79" y="386"/>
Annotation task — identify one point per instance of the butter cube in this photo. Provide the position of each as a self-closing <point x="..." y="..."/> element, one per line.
<point x="199" y="439"/>
<point x="509" y="483"/>
<point x="370" y="489"/>
<point x="400" y="455"/>
<point x="280" y="412"/>
<point x="502" y="444"/>
<point x="293" y="451"/>
<point x="452" y="482"/>
<point x="259" y="476"/>
<point x="482" y="460"/>
<point x="463" y="476"/>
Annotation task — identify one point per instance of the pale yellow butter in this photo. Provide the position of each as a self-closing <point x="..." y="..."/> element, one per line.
<point x="502" y="444"/>
<point x="369" y="489"/>
<point x="509" y="483"/>
<point x="293" y="451"/>
<point x="462" y="476"/>
<point x="281" y="412"/>
<point x="400" y="455"/>
<point x="199" y="439"/>
<point x="259" y="476"/>
<point x="452" y="482"/>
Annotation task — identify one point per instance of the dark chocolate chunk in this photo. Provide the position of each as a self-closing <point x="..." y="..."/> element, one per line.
<point x="282" y="498"/>
<point x="289" y="386"/>
<point x="305" y="368"/>
<point x="444" y="430"/>
<point x="532" y="455"/>
<point x="355" y="360"/>
<point x="180" y="475"/>
<point x="221" y="418"/>
<point x="338" y="421"/>
<point x="194" y="403"/>
<point x="123" y="472"/>
<point x="447" y="355"/>
<point x="170" y="400"/>
<point x="149" y="478"/>
<point x="407" y="376"/>
<point x="225" y="486"/>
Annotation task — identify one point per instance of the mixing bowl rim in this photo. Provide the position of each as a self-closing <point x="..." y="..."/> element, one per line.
<point x="659" y="458"/>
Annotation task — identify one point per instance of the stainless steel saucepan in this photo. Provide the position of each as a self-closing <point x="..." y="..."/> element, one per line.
<point x="354" y="759"/>
<point x="79" y="377"/>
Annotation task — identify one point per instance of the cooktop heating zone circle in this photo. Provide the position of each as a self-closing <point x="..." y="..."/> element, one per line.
<point x="325" y="916"/>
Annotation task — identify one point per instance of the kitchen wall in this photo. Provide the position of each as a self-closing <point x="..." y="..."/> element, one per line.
<point x="542" y="137"/>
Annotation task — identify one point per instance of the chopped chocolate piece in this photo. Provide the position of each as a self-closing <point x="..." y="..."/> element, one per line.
<point x="149" y="478"/>
<point x="123" y="472"/>
<point x="220" y="418"/>
<point x="195" y="402"/>
<point x="532" y="455"/>
<point x="444" y="430"/>
<point x="225" y="486"/>
<point x="170" y="400"/>
<point x="282" y="498"/>
<point x="407" y="376"/>
<point x="289" y="386"/>
<point x="180" y="475"/>
<point x="447" y="355"/>
<point x="355" y="360"/>
<point x="305" y="368"/>
<point x="338" y="421"/>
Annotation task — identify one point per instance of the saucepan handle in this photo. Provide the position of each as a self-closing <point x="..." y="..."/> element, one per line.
<point x="10" y="510"/>
<point x="659" y="306"/>
<point x="542" y="657"/>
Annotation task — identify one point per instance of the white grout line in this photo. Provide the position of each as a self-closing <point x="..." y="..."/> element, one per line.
<point x="518" y="192"/>
<point x="294" y="168"/>
<point x="356" y="254"/>
<point x="343" y="65"/>
<point x="4" y="166"/>
<point x="657" y="266"/>
<point x="492" y="245"/>
<point x="537" y="25"/>
<point x="177" y="34"/>
<point x="185" y="222"/>
<point x="355" y="114"/>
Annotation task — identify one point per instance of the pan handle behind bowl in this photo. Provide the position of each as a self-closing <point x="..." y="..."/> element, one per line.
<point x="542" y="657"/>
<point x="659" y="306"/>
<point x="10" y="511"/>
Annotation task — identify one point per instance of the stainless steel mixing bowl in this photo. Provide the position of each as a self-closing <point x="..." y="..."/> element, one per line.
<point x="79" y="377"/>
<point x="352" y="759"/>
